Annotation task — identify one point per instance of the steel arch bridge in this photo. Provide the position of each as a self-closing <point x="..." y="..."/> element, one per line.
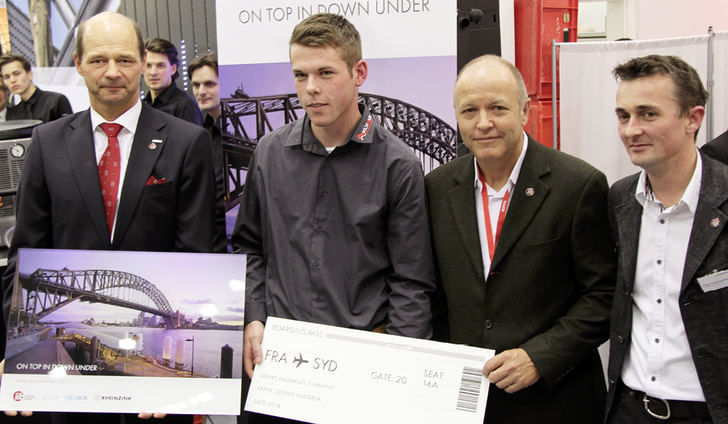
<point x="246" y="120"/>
<point x="49" y="290"/>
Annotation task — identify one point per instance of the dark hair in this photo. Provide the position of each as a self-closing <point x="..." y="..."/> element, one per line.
<point x="209" y="59"/>
<point x="82" y="30"/>
<point x="162" y="46"/>
<point x="689" y="90"/>
<point x="12" y="57"/>
<point x="329" y="30"/>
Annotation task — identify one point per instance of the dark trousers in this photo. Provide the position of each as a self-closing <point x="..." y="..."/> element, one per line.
<point x="36" y="418"/>
<point x="267" y="419"/>
<point x="94" y="418"/>
<point x="628" y="409"/>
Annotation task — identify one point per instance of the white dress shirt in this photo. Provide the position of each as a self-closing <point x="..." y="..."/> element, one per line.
<point x="129" y="121"/>
<point x="658" y="361"/>
<point x="495" y="198"/>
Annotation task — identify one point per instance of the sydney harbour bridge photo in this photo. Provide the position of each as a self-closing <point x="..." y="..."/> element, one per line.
<point x="246" y="119"/>
<point x="183" y="318"/>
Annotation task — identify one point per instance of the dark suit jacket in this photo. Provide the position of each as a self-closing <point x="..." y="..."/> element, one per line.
<point x="717" y="148"/>
<point x="705" y="315"/>
<point x="59" y="203"/>
<point x="550" y="287"/>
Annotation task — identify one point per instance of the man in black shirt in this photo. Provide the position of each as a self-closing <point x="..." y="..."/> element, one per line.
<point x="4" y="93"/>
<point x="160" y="74"/>
<point x="35" y="103"/>
<point x="332" y="218"/>
<point x="206" y="87"/>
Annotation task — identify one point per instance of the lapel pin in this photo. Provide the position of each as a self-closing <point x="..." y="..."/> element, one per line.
<point x="152" y="146"/>
<point x="530" y="192"/>
<point x="156" y="141"/>
<point x="715" y="222"/>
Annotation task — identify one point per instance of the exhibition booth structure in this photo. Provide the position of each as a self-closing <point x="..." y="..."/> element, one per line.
<point x="588" y="91"/>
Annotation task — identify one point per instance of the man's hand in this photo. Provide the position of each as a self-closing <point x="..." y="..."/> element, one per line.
<point x="511" y="370"/>
<point x="22" y="413"/>
<point x="252" y="337"/>
<point x="147" y="415"/>
<point x="12" y="413"/>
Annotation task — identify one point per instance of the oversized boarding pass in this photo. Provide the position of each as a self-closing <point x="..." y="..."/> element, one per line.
<point x="323" y="374"/>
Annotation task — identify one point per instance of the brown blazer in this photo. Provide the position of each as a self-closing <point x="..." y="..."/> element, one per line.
<point x="551" y="284"/>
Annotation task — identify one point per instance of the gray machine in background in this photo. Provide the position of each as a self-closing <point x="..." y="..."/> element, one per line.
<point x="14" y="142"/>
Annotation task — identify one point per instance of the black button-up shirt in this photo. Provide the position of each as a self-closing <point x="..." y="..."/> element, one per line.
<point x="337" y="238"/>
<point x="213" y="126"/>
<point x="176" y="103"/>
<point x="42" y="105"/>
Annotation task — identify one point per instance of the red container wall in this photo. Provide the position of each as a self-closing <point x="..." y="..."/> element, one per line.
<point x="537" y="22"/>
<point x="540" y="122"/>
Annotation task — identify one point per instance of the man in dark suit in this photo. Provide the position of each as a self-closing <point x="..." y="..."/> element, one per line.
<point x="717" y="148"/>
<point x="524" y="257"/>
<point x="668" y="346"/>
<point x="164" y="194"/>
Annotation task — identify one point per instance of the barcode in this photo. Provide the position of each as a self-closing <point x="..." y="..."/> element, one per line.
<point x="469" y="390"/>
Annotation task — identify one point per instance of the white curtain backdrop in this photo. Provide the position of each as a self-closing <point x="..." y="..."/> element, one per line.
<point x="720" y="87"/>
<point x="588" y="94"/>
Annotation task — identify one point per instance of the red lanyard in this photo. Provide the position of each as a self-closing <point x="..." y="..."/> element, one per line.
<point x="486" y="211"/>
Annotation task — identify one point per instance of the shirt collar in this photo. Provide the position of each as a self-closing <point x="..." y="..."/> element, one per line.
<point x="516" y="168"/>
<point x="361" y="134"/>
<point x="208" y="121"/>
<point x="128" y="119"/>
<point x="34" y="97"/>
<point x="690" y="197"/>
<point x="164" y="97"/>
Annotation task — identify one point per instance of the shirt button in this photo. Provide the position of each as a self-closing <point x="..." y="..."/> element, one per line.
<point x="662" y="221"/>
<point x="659" y="262"/>
<point x="659" y="300"/>
<point x="315" y="263"/>
<point x="488" y="324"/>
<point x="657" y="340"/>
<point x="653" y="378"/>
<point x="319" y="229"/>
<point x="324" y="193"/>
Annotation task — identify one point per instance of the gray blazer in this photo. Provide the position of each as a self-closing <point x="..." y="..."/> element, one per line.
<point x="551" y="284"/>
<point x="705" y="315"/>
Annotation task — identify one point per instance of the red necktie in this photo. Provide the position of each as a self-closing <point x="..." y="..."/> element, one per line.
<point x="109" y="171"/>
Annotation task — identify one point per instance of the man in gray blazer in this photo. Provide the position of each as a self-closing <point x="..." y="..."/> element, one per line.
<point x="530" y="274"/>
<point x="669" y="337"/>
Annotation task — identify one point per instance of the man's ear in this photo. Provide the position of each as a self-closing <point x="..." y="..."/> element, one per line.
<point x="77" y="62"/>
<point x="524" y="112"/>
<point x="360" y="72"/>
<point x="695" y="118"/>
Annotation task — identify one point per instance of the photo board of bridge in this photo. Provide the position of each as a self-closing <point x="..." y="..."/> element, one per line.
<point x="103" y="331"/>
